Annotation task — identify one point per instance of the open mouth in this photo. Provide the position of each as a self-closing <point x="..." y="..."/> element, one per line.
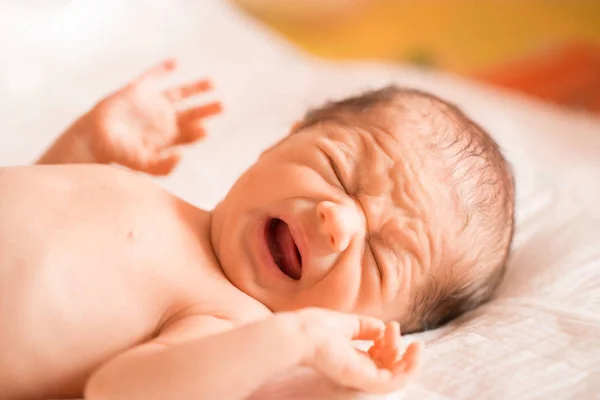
<point x="283" y="249"/>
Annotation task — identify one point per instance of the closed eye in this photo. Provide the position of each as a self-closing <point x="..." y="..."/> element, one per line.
<point x="377" y="262"/>
<point x="335" y="170"/>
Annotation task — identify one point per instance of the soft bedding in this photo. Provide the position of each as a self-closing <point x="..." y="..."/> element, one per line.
<point x="538" y="338"/>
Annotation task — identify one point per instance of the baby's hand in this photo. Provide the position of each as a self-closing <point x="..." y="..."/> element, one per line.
<point x="138" y="125"/>
<point x="380" y="370"/>
<point x="386" y="351"/>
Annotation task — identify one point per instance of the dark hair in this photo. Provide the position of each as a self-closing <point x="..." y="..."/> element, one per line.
<point x="482" y="178"/>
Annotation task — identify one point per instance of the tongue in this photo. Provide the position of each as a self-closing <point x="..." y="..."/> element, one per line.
<point x="289" y="263"/>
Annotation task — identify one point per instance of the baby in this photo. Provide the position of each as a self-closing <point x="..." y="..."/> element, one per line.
<point x="390" y="206"/>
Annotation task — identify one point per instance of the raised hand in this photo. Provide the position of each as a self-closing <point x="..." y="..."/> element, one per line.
<point x="139" y="125"/>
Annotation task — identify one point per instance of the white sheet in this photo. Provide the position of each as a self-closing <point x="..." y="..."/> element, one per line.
<point x="538" y="339"/>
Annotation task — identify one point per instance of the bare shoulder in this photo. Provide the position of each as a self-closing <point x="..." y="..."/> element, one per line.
<point x="52" y="182"/>
<point x="59" y="176"/>
<point x="78" y="188"/>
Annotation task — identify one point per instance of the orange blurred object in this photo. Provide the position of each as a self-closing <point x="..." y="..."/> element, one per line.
<point x="568" y="75"/>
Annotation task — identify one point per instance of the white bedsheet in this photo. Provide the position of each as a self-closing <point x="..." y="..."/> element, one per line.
<point x="540" y="336"/>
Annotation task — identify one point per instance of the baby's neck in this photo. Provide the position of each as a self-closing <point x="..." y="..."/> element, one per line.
<point x="210" y="238"/>
<point x="214" y="233"/>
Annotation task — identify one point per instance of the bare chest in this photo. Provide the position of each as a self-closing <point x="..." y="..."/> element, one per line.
<point x="87" y="274"/>
<point x="69" y="306"/>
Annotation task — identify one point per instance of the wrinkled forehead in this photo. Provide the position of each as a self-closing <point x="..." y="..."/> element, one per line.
<point x="358" y="140"/>
<point x="396" y="130"/>
<point x="376" y="145"/>
<point x="391" y="154"/>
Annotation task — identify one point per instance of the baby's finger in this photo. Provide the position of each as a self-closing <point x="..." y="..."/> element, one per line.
<point x="204" y="111"/>
<point x="190" y="133"/>
<point x="316" y="322"/>
<point x="189" y="90"/>
<point x="158" y="71"/>
<point x="392" y="334"/>
<point x="391" y="345"/>
<point x="375" y="354"/>
<point x="350" y="367"/>
<point x="374" y="351"/>
<point x="400" y="373"/>
<point x="163" y="164"/>
<point x="411" y="360"/>
<point x="395" y="342"/>
<point x="367" y="328"/>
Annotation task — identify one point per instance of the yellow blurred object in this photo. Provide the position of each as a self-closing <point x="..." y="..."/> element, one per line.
<point x="468" y="37"/>
<point x="305" y="11"/>
<point x="457" y="35"/>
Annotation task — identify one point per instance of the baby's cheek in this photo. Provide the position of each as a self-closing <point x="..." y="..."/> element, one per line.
<point x="349" y="291"/>
<point x="338" y="294"/>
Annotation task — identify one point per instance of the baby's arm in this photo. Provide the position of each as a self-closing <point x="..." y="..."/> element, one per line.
<point x="235" y="363"/>
<point x="137" y="126"/>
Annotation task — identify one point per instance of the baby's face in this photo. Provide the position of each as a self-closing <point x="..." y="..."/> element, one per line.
<point x="335" y="217"/>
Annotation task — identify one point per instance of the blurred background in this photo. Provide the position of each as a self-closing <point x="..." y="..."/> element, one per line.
<point x="549" y="49"/>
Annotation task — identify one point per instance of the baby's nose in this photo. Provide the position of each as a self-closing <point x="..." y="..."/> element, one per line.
<point x="339" y="223"/>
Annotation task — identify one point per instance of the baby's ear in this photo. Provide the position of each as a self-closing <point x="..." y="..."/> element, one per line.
<point x="296" y="127"/>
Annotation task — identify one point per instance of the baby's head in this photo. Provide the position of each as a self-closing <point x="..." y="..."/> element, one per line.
<point x="392" y="203"/>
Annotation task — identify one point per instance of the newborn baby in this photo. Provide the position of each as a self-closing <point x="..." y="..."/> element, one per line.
<point x="391" y="206"/>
